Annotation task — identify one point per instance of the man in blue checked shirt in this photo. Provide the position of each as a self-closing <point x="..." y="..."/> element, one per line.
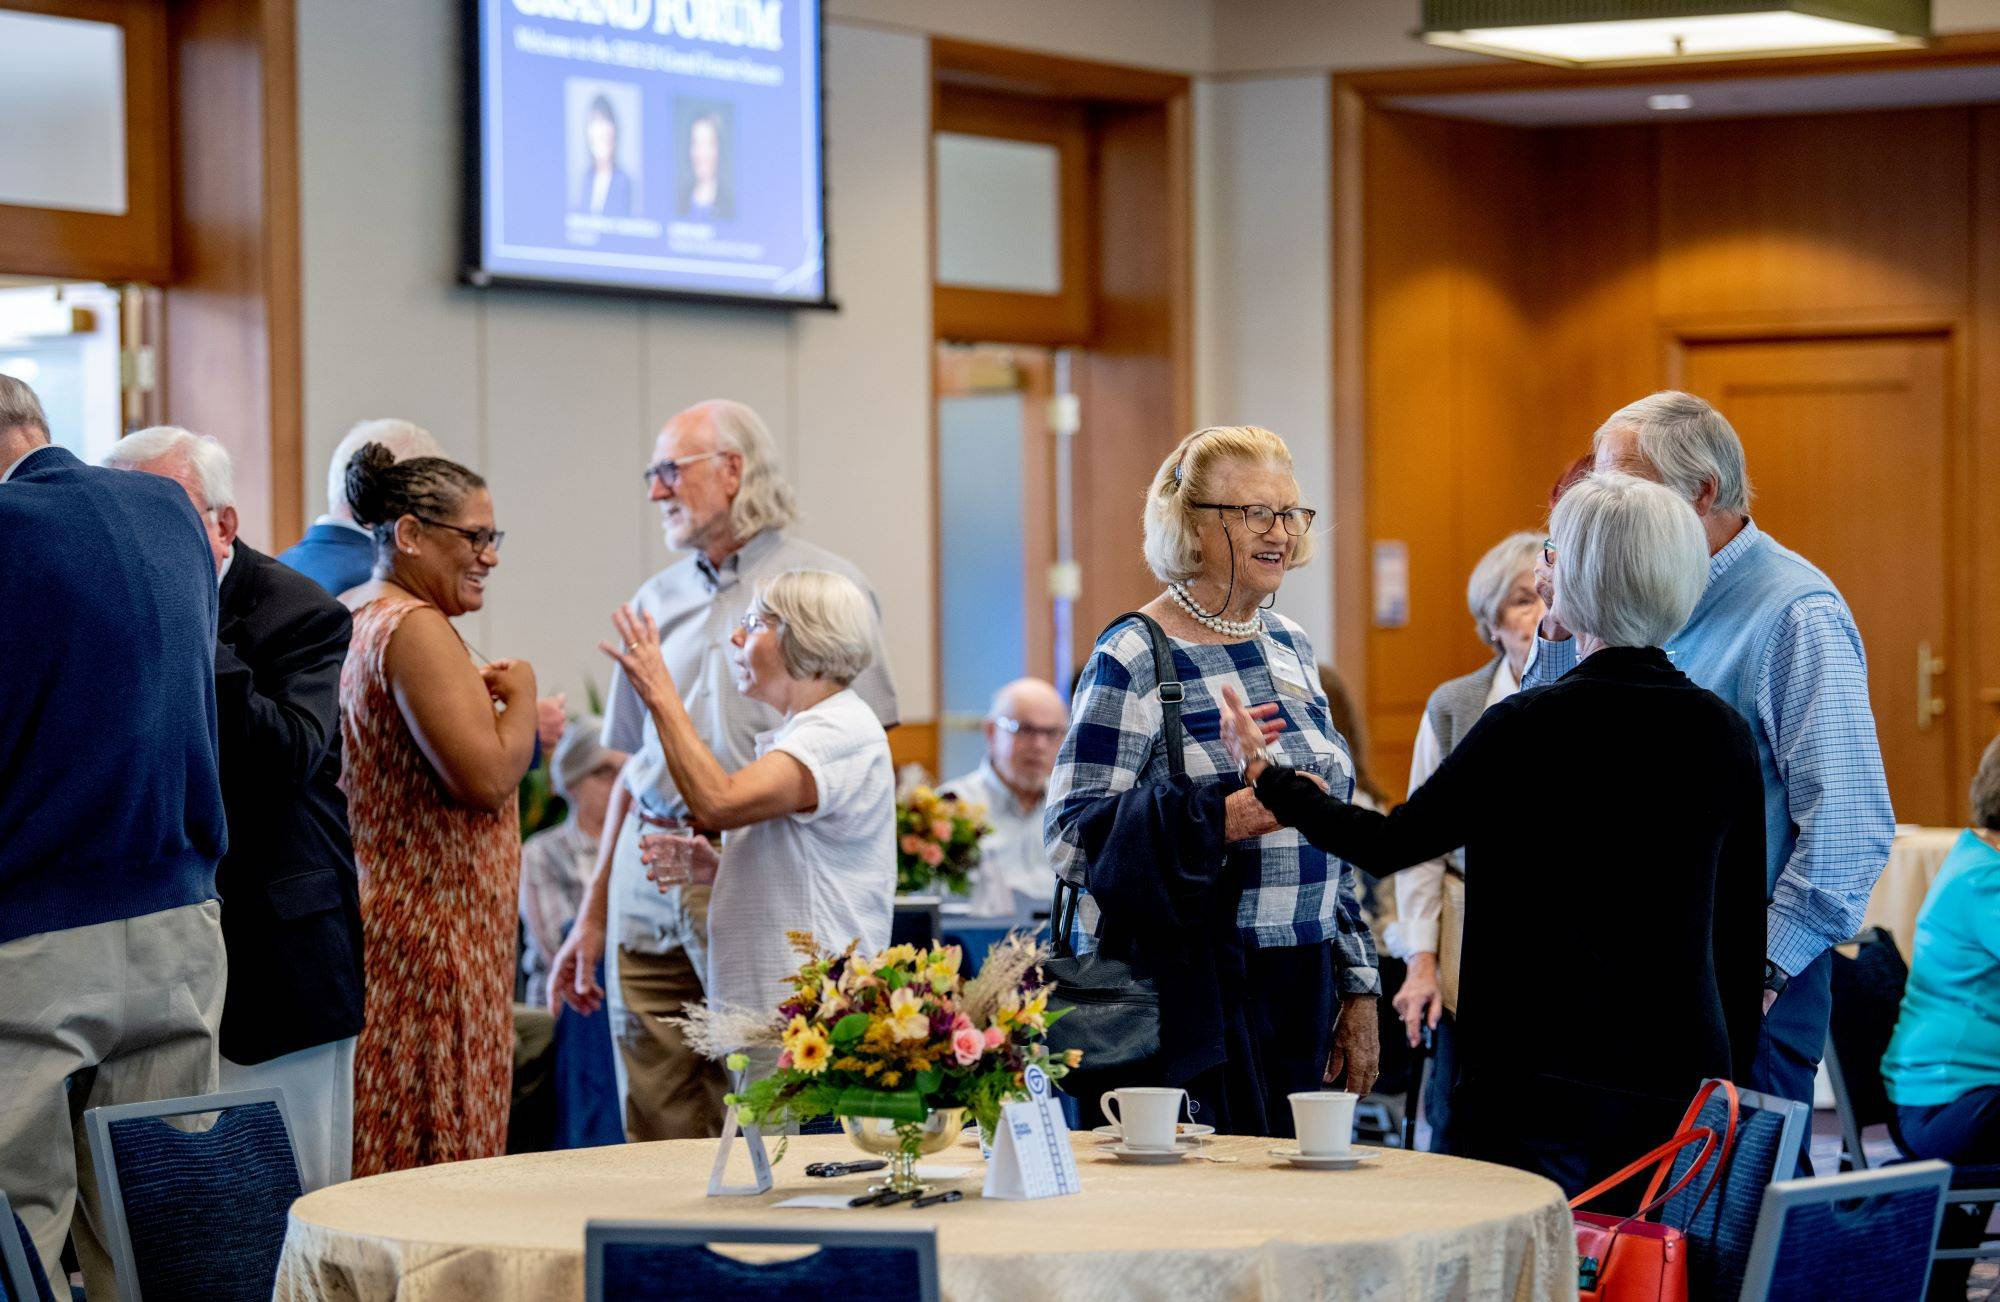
<point x="1773" y="637"/>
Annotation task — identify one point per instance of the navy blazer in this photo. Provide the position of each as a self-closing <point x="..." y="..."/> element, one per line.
<point x="110" y="804"/>
<point x="291" y="908"/>
<point x="333" y="556"/>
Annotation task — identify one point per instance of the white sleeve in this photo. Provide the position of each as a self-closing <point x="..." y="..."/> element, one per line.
<point x="1420" y="889"/>
<point x="826" y="748"/>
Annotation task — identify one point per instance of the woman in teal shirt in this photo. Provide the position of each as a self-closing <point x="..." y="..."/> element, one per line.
<point x="1943" y="1066"/>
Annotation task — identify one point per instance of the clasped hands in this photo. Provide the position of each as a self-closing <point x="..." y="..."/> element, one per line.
<point x="1248" y="731"/>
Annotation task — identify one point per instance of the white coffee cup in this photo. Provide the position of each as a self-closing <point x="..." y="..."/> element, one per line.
<point x="1324" y="1122"/>
<point x="1146" y="1115"/>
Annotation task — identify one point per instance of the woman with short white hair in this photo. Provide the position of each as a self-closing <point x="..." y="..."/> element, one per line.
<point x="808" y="827"/>
<point x="1614" y="933"/>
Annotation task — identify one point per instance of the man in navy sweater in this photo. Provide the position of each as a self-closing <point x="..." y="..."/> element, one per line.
<point x="111" y="821"/>
<point x="337" y="553"/>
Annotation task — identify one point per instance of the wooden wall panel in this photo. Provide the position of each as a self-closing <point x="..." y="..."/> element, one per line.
<point x="1816" y="214"/>
<point x="1983" y="566"/>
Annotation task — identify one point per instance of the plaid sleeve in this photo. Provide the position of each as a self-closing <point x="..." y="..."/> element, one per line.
<point x="1114" y="719"/>
<point x="1812" y="702"/>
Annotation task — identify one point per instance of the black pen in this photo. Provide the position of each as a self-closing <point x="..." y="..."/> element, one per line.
<point x="932" y="1200"/>
<point x="843" y="1168"/>
<point x="890" y="1199"/>
<point x="867" y="1198"/>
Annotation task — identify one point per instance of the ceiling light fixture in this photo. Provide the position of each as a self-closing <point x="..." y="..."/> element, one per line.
<point x="1670" y="103"/>
<point x="1598" y="33"/>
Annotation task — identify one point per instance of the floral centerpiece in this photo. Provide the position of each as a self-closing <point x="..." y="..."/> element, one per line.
<point x="898" y="1044"/>
<point x="937" y="840"/>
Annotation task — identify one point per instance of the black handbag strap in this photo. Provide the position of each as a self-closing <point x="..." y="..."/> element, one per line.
<point x="1062" y="918"/>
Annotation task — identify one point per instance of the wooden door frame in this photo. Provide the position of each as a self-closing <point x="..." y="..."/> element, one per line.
<point x="1960" y="640"/>
<point x="1354" y="97"/>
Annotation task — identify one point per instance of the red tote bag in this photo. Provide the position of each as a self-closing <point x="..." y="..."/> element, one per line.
<point x="1632" y="1258"/>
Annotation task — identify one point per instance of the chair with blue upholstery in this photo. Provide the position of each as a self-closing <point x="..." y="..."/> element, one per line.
<point x="1769" y="1133"/>
<point x="640" y="1261"/>
<point x="1860" y="1234"/>
<point x="196" y="1214"/>
<point x="21" y="1275"/>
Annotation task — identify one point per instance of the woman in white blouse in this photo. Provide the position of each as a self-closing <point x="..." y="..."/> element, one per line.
<point x="809" y="826"/>
<point x="1505" y="610"/>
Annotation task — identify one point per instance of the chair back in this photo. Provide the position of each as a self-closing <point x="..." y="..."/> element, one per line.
<point x="639" y="1261"/>
<point x="21" y="1276"/>
<point x="1867" y="995"/>
<point x="1860" y="1234"/>
<point x="1769" y="1131"/>
<point x="196" y="1214"/>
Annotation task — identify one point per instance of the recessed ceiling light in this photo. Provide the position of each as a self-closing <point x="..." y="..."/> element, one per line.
<point x="1670" y="103"/>
<point x="1600" y="32"/>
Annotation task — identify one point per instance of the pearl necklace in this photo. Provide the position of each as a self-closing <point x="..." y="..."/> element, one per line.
<point x="1215" y="623"/>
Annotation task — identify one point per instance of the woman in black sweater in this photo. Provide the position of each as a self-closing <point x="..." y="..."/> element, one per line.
<point x="1614" y="848"/>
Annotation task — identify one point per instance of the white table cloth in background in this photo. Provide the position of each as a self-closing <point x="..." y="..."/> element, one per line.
<point x="1914" y="859"/>
<point x="1408" y="1225"/>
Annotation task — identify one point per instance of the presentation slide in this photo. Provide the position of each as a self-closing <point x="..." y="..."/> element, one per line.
<point x="653" y="145"/>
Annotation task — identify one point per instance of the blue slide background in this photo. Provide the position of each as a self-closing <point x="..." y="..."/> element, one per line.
<point x="771" y="242"/>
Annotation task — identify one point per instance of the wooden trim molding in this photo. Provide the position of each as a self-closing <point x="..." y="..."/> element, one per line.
<point x="915" y="743"/>
<point x="136" y="244"/>
<point x="1029" y="72"/>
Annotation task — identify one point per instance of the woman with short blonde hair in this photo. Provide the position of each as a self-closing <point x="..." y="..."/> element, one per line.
<point x="1223" y="525"/>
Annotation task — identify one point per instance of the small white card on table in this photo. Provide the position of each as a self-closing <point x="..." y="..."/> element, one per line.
<point x="1032" y="1157"/>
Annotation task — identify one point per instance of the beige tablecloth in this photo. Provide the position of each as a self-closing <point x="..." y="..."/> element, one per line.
<point x="1914" y="860"/>
<point x="1410" y="1225"/>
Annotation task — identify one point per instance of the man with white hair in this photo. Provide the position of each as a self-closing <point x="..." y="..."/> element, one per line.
<point x="111" y="816"/>
<point x="1024" y="730"/>
<point x="1773" y="637"/>
<point x="337" y="553"/>
<point x="723" y="499"/>
<point x="291" y="909"/>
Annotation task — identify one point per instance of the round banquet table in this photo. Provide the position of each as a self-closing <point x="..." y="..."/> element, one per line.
<point x="1914" y="859"/>
<point x="1406" y="1225"/>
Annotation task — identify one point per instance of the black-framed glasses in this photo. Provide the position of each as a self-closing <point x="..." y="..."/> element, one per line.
<point x="1027" y="731"/>
<point x="668" y="473"/>
<point x="481" y="539"/>
<point x="1549" y="552"/>
<point x="1259" y="519"/>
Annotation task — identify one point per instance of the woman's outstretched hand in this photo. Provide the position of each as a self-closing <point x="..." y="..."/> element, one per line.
<point x="1246" y="731"/>
<point x="638" y="654"/>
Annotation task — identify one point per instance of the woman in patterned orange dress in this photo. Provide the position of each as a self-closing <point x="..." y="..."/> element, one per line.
<point x="430" y="772"/>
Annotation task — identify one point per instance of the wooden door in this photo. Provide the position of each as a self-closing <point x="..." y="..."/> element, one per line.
<point x="1850" y="450"/>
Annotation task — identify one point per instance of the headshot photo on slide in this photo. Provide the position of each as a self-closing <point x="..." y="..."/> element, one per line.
<point x="603" y="128"/>
<point x="706" y="131"/>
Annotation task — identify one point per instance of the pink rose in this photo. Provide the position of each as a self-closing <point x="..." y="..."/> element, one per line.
<point x="967" y="1045"/>
<point x="784" y="1060"/>
<point x="995" y="1037"/>
<point x="941" y="829"/>
<point x="912" y="843"/>
<point x="932" y="854"/>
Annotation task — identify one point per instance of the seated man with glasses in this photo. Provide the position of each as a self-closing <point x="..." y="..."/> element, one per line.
<point x="1024" y="729"/>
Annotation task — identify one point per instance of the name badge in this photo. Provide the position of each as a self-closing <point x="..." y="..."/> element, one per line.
<point x="1288" y="672"/>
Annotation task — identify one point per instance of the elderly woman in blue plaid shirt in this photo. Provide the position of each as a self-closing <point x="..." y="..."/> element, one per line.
<point x="1223" y="527"/>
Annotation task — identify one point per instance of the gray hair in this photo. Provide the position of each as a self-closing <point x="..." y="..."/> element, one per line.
<point x="19" y="407"/>
<point x="1631" y="559"/>
<point x="1493" y="578"/>
<point x="208" y="458"/>
<point x="401" y="437"/>
<point x="826" y="625"/>
<point x="1688" y="443"/>
<point x="1986" y="789"/>
<point x="1172" y="527"/>
<point x="764" y="500"/>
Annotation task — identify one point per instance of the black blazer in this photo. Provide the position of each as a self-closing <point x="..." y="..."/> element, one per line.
<point x="291" y="909"/>
<point x="1613" y="825"/>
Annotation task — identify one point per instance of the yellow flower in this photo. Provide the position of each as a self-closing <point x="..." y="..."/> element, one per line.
<point x="896" y="955"/>
<point x="792" y="1034"/>
<point x="942" y="980"/>
<point x="907" y="1019"/>
<point x="1031" y="1012"/>
<point x="810" y="1051"/>
<point x="831" y="1001"/>
<point x="946" y="957"/>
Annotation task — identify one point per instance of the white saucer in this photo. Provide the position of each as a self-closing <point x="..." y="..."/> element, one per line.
<point x="1186" y="1134"/>
<point x="1328" y="1162"/>
<point x="1146" y="1156"/>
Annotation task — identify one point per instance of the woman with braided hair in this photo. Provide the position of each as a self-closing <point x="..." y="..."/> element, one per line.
<point x="436" y="744"/>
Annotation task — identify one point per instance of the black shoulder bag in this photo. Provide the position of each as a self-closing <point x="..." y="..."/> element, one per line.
<point x="1114" y="1012"/>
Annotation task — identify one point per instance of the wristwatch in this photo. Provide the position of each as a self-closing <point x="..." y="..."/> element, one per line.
<point x="1774" y="977"/>
<point x="1261" y="753"/>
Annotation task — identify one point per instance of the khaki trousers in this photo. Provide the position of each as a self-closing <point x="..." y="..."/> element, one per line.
<point x="118" y="1012"/>
<point x="666" y="1089"/>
